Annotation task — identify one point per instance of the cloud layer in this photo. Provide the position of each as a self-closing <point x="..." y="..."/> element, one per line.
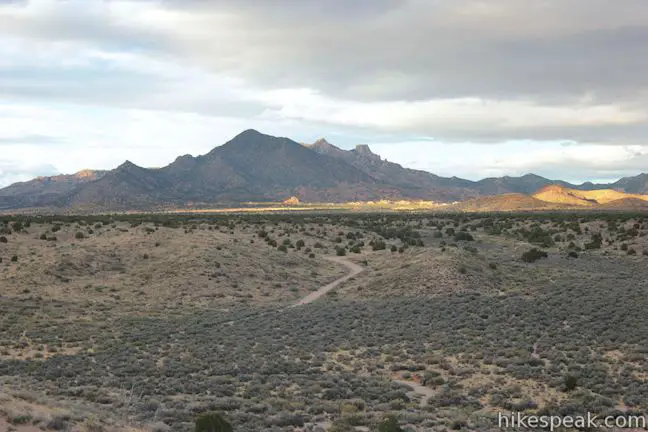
<point x="468" y="75"/>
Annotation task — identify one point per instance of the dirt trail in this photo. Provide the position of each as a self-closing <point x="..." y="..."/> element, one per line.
<point x="354" y="269"/>
<point x="417" y="388"/>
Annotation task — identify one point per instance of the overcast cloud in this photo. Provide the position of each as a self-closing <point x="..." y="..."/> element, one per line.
<point x="461" y="87"/>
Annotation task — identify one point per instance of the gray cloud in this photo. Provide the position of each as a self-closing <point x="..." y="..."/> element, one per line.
<point x="557" y="53"/>
<point x="545" y="50"/>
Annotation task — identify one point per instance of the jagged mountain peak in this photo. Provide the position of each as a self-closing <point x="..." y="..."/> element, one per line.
<point x="322" y="143"/>
<point x="363" y="149"/>
<point x="127" y="165"/>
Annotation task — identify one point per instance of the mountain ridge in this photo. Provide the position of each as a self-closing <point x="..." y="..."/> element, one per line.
<point x="253" y="166"/>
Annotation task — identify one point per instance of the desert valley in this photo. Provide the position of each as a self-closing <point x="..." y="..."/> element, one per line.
<point x="143" y="322"/>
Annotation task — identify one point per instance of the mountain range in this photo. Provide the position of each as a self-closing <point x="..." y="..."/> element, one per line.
<point x="257" y="167"/>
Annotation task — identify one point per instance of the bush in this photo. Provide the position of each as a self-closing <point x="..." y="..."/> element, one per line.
<point x="378" y="245"/>
<point x="389" y="424"/>
<point x="596" y="242"/>
<point x="282" y="248"/>
<point x="462" y="235"/>
<point x="14" y="258"/>
<point x="533" y="254"/>
<point x="571" y="382"/>
<point x="79" y="235"/>
<point x="212" y="422"/>
<point x="43" y="237"/>
<point x="3" y="239"/>
<point x="340" y="251"/>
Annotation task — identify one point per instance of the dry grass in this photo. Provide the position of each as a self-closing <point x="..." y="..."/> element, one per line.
<point x="147" y="268"/>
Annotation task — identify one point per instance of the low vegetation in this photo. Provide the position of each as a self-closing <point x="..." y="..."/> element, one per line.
<point x="197" y="335"/>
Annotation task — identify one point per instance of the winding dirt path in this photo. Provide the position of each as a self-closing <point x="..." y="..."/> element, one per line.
<point x="354" y="269"/>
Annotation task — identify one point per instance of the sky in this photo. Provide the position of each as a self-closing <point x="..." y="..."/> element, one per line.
<point x="463" y="88"/>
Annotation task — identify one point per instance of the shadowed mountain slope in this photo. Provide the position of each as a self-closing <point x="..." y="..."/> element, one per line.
<point x="257" y="167"/>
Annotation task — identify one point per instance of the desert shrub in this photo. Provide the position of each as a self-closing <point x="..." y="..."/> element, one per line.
<point x="58" y="423"/>
<point x="463" y="236"/>
<point x="493" y="266"/>
<point x="533" y="254"/>
<point x="572" y="254"/>
<point x="79" y="235"/>
<point x="570" y="382"/>
<point x="340" y="251"/>
<point x="631" y="251"/>
<point x="3" y="239"/>
<point x="14" y="258"/>
<point x="389" y="423"/>
<point x="378" y="245"/>
<point x="43" y="237"/>
<point x="595" y="243"/>
<point x="212" y="422"/>
<point x="538" y="236"/>
<point x="282" y="248"/>
<point x="300" y="243"/>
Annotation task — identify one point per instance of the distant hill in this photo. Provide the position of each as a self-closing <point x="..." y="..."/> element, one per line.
<point x="257" y="167"/>
<point x="503" y="202"/>
<point x="626" y="204"/>
<point x="44" y="191"/>
<point x="557" y="194"/>
<point x="527" y="184"/>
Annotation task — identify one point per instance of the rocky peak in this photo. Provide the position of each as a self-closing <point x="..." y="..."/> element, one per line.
<point x="365" y="151"/>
